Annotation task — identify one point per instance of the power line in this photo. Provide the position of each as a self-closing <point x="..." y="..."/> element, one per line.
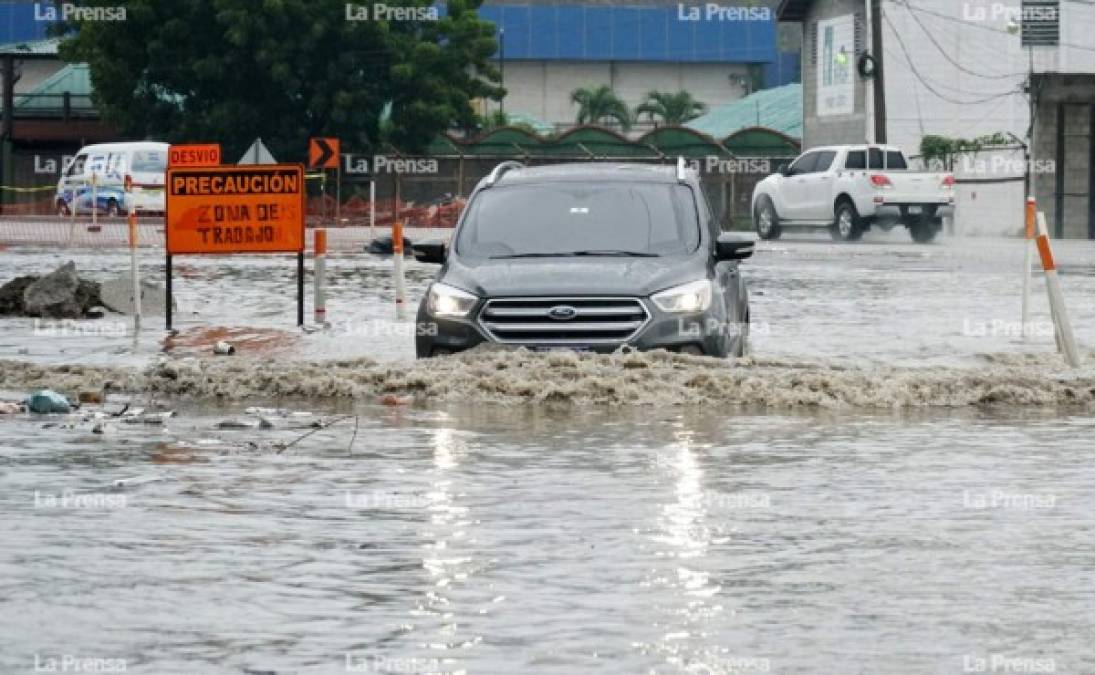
<point x="982" y="26"/>
<point x="928" y="85"/>
<point x="959" y="66"/>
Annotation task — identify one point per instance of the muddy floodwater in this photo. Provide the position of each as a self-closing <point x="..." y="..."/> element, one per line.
<point x="894" y="481"/>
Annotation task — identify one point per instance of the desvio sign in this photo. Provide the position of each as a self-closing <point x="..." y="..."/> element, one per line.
<point x="235" y="209"/>
<point x="206" y="154"/>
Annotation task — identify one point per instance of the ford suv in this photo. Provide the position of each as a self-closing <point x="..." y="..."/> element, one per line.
<point x="587" y="257"/>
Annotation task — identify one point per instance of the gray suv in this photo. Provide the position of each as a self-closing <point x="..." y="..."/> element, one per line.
<point x="587" y="257"/>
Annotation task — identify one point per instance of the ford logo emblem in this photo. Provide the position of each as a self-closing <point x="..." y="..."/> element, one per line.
<point x="563" y="312"/>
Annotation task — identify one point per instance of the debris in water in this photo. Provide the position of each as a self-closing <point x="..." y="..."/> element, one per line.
<point x="136" y="480"/>
<point x="393" y="399"/>
<point x="90" y="396"/>
<point x="45" y="401"/>
<point x="10" y="408"/>
<point x="223" y="348"/>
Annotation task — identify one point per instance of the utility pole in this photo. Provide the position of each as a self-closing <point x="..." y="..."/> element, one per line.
<point x="502" y="50"/>
<point x="879" y="84"/>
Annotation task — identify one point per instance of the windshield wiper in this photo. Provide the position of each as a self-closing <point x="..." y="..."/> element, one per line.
<point x="622" y="254"/>
<point x="531" y="255"/>
<point x="572" y="254"/>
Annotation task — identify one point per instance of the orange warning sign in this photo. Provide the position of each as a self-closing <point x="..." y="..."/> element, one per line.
<point x="323" y="153"/>
<point x="206" y="154"/>
<point x="235" y="209"/>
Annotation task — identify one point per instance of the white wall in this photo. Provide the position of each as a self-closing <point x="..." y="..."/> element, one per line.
<point x="542" y="88"/>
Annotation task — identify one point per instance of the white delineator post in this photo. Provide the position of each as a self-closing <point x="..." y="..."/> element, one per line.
<point x="372" y="210"/>
<point x="1028" y="244"/>
<point x="320" y="282"/>
<point x="134" y="269"/>
<point x="397" y="257"/>
<point x="1066" y="341"/>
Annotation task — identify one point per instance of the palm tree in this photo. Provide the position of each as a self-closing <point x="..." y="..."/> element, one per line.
<point x="671" y="108"/>
<point x="598" y="103"/>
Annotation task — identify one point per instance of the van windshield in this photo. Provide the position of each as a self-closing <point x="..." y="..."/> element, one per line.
<point x="150" y="161"/>
<point x="565" y="218"/>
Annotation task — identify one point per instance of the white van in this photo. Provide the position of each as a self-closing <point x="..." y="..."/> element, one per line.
<point x="143" y="164"/>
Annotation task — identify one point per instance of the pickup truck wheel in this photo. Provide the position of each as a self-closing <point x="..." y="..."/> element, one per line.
<point x="846" y="226"/>
<point x="766" y="220"/>
<point x="924" y="229"/>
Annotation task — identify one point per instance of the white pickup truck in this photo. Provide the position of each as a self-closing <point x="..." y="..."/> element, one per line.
<point x="850" y="188"/>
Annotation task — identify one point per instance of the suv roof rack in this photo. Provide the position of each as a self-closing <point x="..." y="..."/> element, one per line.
<point x="502" y="168"/>
<point x="682" y="175"/>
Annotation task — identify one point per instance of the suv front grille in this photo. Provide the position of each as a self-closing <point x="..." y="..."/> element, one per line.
<point x="593" y="320"/>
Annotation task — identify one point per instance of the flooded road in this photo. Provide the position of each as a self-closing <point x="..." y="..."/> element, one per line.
<point x="883" y="301"/>
<point x="490" y="539"/>
<point x="894" y="481"/>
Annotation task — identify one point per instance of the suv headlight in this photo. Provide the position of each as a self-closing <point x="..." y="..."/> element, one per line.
<point x="444" y="300"/>
<point x="694" y="296"/>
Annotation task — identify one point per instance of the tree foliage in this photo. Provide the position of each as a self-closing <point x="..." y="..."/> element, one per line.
<point x="596" y="104"/>
<point x="942" y="149"/>
<point x="230" y="70"/>
<point x="670" y="108"/>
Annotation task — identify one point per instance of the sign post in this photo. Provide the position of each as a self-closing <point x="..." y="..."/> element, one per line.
<point x="236" y="209"/>
<point x="325" y="153"/>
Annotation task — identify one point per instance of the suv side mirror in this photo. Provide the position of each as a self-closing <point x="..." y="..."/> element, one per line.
<point x="784" y="169"/>
<point x="731" y="247"/>
<point x="432" y="251"/>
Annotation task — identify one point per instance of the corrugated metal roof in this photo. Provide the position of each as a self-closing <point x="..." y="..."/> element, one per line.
<point x="779" y="109"/>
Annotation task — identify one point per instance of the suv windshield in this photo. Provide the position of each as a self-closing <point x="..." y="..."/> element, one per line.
<point x="566" y="218"/>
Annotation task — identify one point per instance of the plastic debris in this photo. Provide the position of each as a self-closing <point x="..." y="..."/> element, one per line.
<point x="10" y="408"/>
<point x="45" y="401"/>
<point x="223" y="348"/>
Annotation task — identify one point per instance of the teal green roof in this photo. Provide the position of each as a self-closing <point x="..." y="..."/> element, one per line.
<point x="779" y="109"/>
<point x="525" y="119"/>
<point x="74" y="78"/>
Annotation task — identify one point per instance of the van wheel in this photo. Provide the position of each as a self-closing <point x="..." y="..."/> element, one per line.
<point x="112" y="208"/>
<point x="766" y="220"/>
<point x="847" y="225"/>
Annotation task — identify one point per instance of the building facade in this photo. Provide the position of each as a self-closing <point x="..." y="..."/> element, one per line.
<point x="550" y="49"/>
<point x="960" y="70"/>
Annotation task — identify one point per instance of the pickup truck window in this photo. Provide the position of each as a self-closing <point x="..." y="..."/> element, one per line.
<point x="804" y="164"/>
<point x="857" y="159"/>
<point x="824" y="161"/>
<point x="874" y="156"/>
<point x="895" y="160"/>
